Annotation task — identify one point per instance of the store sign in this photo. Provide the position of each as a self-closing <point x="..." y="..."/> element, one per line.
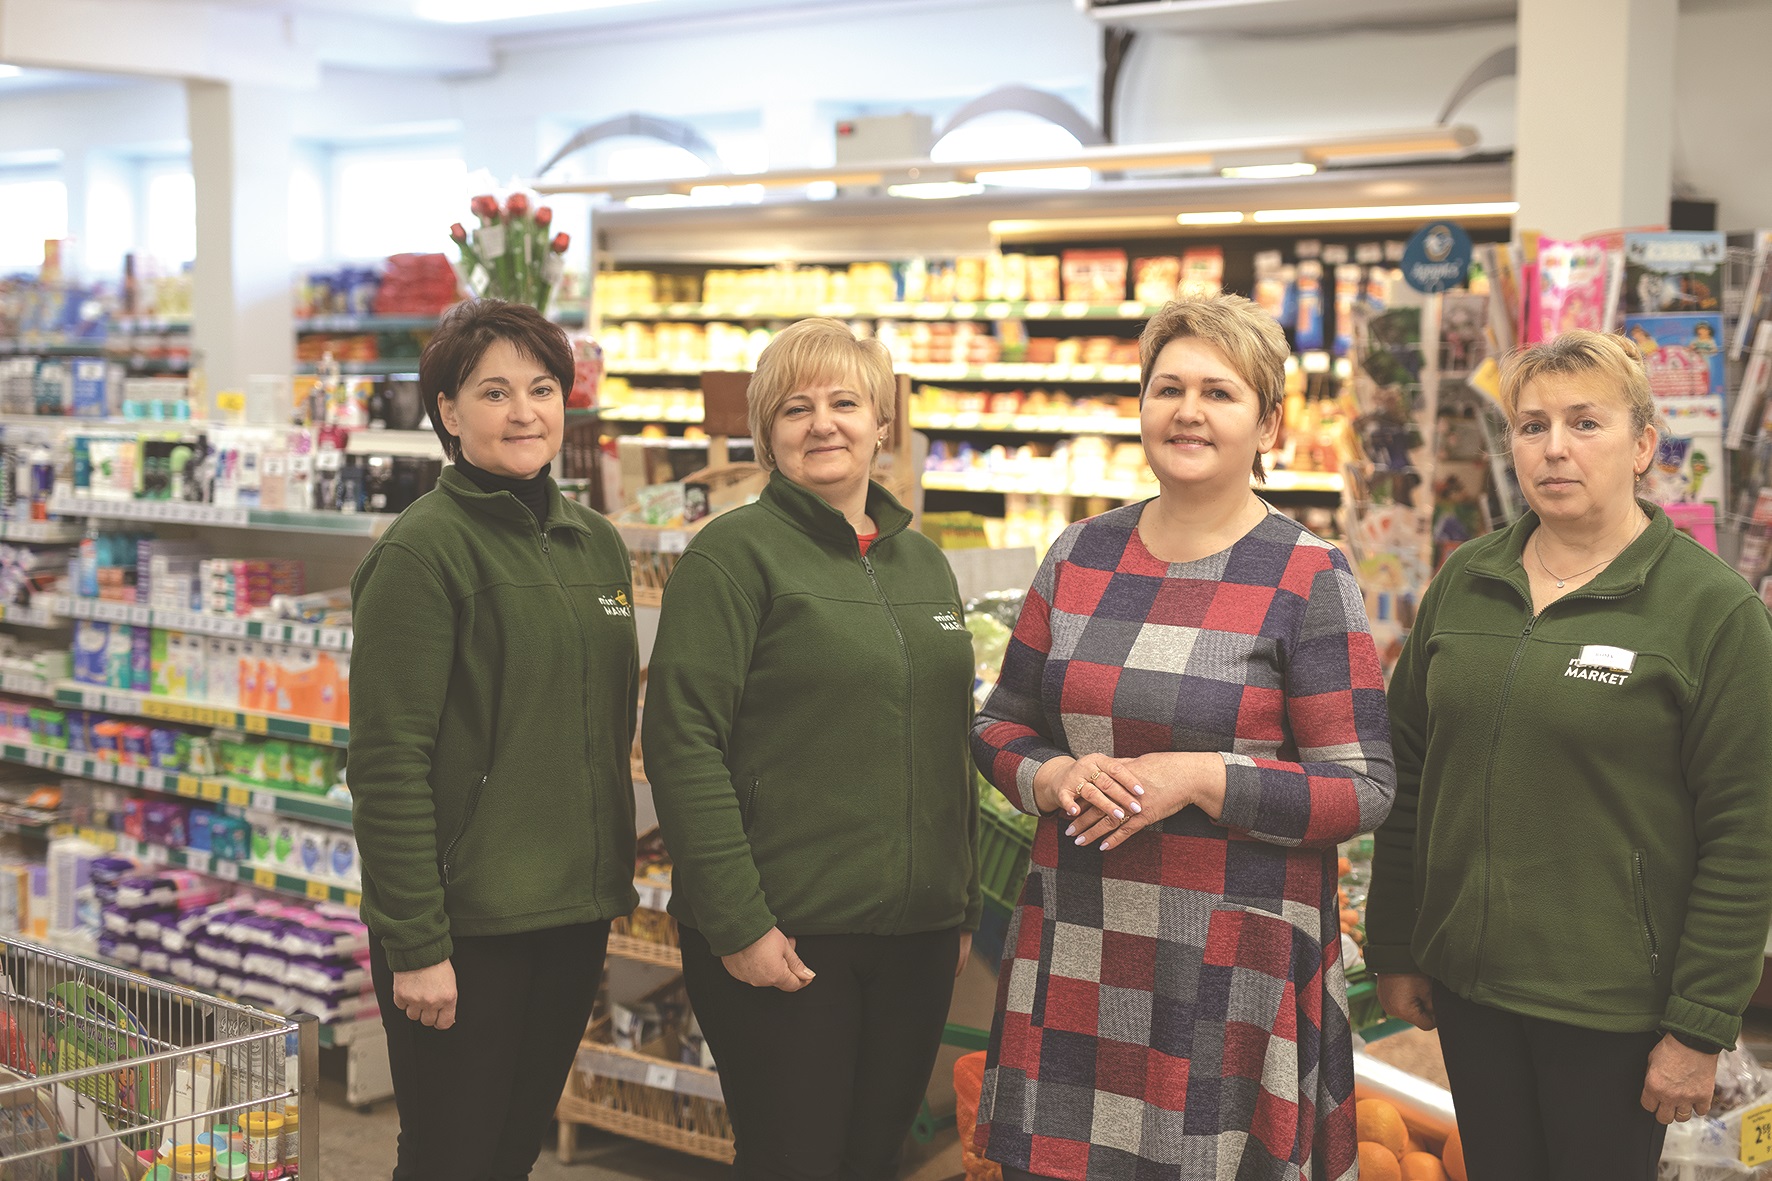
<point x="1437" y="258"/>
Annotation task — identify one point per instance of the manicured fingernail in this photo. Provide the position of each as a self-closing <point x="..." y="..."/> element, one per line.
<point x="1119" y="815"/>
<point x="1106" y="845"/>
<point x="1080" y="840"/>
<point x="1074" y="809"/>
<point x="1136" y="806"/>
<point x="1071" y="831"/>
<point x="1137" y="790"/>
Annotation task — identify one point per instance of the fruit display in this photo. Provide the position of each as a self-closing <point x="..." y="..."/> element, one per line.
<point x="1390" y="1150"/>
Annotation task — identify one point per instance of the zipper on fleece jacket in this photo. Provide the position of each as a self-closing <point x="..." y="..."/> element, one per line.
<point x="1642" y="882"/>
<point x="910" y="727"/>
<point x="467" y="818"/>
<point x="1507" y="685"/>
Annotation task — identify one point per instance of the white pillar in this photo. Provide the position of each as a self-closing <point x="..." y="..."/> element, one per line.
<point x="1594" y="149"/>
<point x="242" y="316"/>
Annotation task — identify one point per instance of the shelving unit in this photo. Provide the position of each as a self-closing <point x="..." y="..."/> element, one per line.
<point x="128" y="703"/>
<point x="197" y="861"/>
<point x="336" y="639"/>
<point x="175" y="512"/>
<point x="980" y="310"/>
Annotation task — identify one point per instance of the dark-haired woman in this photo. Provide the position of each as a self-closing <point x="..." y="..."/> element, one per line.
<point x="493" y="685"/>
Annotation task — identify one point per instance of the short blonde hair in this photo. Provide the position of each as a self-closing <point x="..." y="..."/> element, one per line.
<point x="1581" y="353"/>
<point x="812" y="352"/>
<point x="1250" y="339"/>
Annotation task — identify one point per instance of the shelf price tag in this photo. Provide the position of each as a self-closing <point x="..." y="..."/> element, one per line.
<point x="211" y="790"/>
<point x="1075" y="310"/>
<point x="353" y="898"/>
<point x="264" y="878"/>
<point x="332" y="637"/>
<point x="264" y="801"/>
<point x="1037" y="310"/>
<point x="301" y="634"/>
<point x="1756" y="1135"/>
<point x="239" y="797"/>
<point x="320" y="732"/>
<point x="318" y="891"/>
<point x="227" y="870"/>
<point x="257" y="725"/>
<point x="187" y="786"/>
<point x="662" y="1077"/>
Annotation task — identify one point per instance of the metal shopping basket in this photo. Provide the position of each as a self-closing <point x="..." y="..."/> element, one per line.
<point x="99" y="1065"/>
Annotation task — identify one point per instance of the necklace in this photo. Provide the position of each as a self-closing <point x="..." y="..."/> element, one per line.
<point x="1538" y="552"/>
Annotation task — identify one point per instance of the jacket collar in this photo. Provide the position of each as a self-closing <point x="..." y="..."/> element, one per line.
<point x="809" y="512"/>
<point x="506" y="507"/>
<point x="1627" y="573"/>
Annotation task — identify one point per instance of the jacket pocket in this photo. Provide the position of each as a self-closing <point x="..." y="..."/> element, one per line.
<point x="467" y="818"/>
<point x="1645" y="913"/>
<point x="747" y="805"/>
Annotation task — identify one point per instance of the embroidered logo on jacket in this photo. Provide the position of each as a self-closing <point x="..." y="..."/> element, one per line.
<point x="616" y="604"/>
<point x="949" y="621"/>
<point x="1602" y="663"/>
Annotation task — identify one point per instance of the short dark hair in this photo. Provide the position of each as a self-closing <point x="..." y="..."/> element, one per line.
<point x="466" y="331"/>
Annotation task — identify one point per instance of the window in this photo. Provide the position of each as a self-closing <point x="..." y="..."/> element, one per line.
<point x="31" y="212"/>
<point x="171" y="218"/>
<point x="397" y="202"/>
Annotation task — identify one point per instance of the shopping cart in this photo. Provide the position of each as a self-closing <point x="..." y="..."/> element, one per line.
<point x="99" y="1066"/>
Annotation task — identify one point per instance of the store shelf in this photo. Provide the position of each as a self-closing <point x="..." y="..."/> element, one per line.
<point x="264" y="877"/>
<point x="178" y="512"/>
<point x="628" y="1066"/>
<point x="33" y="616"/>
<point x="413" y="444"/>
<point x="242" y="797"/>
<point x="640" y="414"/>
<point x="41" y="532"/>
<point x="199" y="713"/>
<point x="55" y="348"/>
<point x="369" y="323"/>
<point x="1001" y="371"/>
<point x="644" y="951"/>
<point x="1324" y="483"/>
<point x="205" y="623"/>
<point x="25" y="685"/>
<point x="1026" y="424"/>
<point x="402" y="367"/>
<point x="980" y="310"/>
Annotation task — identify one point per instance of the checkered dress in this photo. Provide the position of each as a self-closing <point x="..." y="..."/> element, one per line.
<point x="1176" y="1008"/>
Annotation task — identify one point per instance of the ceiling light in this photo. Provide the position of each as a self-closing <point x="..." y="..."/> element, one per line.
<point x="1391" y="212"/>
<point x="1267" y="171"/>
<point x="1038" y="178"/>
<point x="935" y="190"/>
<point x="10" y="71"/>
<point x="659" y="201"/>
<point x="1226" y="218"/>
<point x="462" y="12"/>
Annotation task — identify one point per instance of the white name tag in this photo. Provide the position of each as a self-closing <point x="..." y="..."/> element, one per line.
<point x="1618" y="660"/>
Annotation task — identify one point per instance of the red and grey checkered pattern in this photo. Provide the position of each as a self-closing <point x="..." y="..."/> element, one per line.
<point x="1176" y="1008"/>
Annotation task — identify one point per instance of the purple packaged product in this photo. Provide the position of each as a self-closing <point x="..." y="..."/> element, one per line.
<point x="167" y="823"/>
<point x="204" y="975"/>
<point x="200" y="827"/>
<point x="135" y="745"/>
<point x="163" y="749"/>
<point x="107" y="947"/>
<point x="183" y="969"/>
<point x="79" y="731"/>
<point x="92" y="639"/>
<point x="320" y="978"/>
<point x="155" y="959"/>
<point x="141" y="660"/>
<point x="229" y="984"/>
<point x="103" y="740"/>
<point x="117" y="922"/>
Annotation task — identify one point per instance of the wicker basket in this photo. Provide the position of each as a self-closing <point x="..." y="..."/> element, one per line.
<point x="685" y="1123"/>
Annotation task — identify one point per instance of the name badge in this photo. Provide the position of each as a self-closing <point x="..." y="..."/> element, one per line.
<point x="1618" y="660"/>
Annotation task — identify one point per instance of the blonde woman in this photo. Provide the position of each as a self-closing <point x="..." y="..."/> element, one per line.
<point x="1576" y="881"/>
<point x="805" y="736"/>
<point x="1192" y="705"/>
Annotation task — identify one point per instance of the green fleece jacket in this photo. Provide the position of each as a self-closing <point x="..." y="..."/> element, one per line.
<point x="493" y="686"/>
<point x="806" y="727"/>
<point x="1583" y="824"/>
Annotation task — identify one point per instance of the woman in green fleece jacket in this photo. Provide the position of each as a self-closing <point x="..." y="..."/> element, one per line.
<point x="806" y="737"/>
<point x="1575" y="882"/>
<point x="493" y="685"/>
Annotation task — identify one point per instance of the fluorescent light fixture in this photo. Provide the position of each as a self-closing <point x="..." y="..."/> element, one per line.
<point x="1390" y="212"/>
<point x="935" y="190"/>
<point x="1038" y="178"/>
<point x="1229" y="217"/>
<point x="821" y="190"/>
<point x="659" y="201"/>
<point x="7" y="71"/>
<point x="1267" y="171"/>
<point x="467" y="12"/>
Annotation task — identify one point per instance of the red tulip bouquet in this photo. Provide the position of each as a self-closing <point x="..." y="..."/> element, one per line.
<point x="509" y="255"/>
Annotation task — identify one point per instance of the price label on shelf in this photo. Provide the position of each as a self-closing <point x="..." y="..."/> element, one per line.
<point x="105" y="771"/>
<point x="188" y="786"/>
<point x="332" y="637"/>
<point x="210" y="790"/>
<point x="996" y="311"/>
<point x="353" y="898"/>
<point x="1075" y="310"/>
<point x="154" y="855"/>
<point x="318" y="891"/>
<point x="320" y="732"/>
<point x="264" y="801"/>
<point x="239" y="796"/>
<point x="35" y="757"/>
<point x="227" y="870"/>
<point x="257" y="725"/>
<point x="965" y="311"/>
<point x="1037" y="310"/>
<point x="1756" y="1135"/>
<point x="662" y="1077"/>
<point x="1132" y="309"/>
<point x="233" y="627"/>
<point x="301" y="634"/>
<point x="264" y="878"/>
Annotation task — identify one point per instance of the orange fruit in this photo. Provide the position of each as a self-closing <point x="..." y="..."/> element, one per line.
<point x="1343" y="867"/>
<point x="1381" y="1123"/>
<point x="1453" y="1156"/>
<point x="1378" y="1163"/>
<point x="1422" y="1166"/>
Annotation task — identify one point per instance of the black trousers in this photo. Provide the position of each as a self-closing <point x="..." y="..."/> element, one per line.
<point x="824" y="1083"/>
<point x="475" y="1099"/>
<point x="1541" y="1101"/>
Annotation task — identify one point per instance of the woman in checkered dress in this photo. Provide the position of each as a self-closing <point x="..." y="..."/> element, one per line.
<point x="1193" y="706"/>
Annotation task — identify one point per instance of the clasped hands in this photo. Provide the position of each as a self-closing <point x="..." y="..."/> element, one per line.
<point x="1109" y="799"/>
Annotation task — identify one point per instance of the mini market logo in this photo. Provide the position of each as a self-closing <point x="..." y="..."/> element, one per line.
<point x="949" y="621"/>
<point x="616" y="605"/>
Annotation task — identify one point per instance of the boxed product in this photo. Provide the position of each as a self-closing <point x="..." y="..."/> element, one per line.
<point x="92" y="642"/>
